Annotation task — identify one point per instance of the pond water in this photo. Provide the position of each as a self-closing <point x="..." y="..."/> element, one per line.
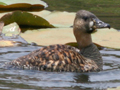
<point x="41" y="80"/>
<point x="106" y="10"/>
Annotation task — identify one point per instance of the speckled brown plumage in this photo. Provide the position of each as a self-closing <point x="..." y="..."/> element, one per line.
<point x="55" y="58"/>
<point x="66" y="58"/>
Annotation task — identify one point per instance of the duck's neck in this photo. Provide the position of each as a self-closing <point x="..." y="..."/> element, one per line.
<point x="87" y="48"/>
<point x="83" y="39"/>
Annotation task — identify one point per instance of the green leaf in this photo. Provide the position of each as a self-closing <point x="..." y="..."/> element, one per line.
<point x="1" y="3"/>
<point x="24" y="5"/>
<point x="21" y="6"/>
<point x="8" y="2"/>
<point x="25" y="19"/>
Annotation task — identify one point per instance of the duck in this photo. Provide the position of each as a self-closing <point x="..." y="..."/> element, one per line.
<point x="59" y="57"/>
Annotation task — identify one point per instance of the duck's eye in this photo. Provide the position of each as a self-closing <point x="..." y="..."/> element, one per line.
<point x="85" y="18"/>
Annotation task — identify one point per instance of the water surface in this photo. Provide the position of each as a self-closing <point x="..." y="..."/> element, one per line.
<point x="106" y="10"/>
<point x="41" y="80"/>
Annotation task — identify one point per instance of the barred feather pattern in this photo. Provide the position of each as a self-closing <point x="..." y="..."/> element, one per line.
<point x="55" y="58"/>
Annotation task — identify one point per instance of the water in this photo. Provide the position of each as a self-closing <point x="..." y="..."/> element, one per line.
<point x="41" y="80"/>
<point x="106" y="10"/>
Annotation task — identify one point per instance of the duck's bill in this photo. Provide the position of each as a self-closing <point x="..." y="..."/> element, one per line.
<point x="101" y="24"/>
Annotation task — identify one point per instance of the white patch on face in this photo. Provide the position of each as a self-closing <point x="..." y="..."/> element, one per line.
<point x="91" y="24"/>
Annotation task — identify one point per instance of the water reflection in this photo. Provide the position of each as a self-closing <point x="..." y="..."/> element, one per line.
<point x="41" y="80"/>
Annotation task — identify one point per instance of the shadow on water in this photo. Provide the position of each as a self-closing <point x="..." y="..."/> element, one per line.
<point x="41" y="80"/>
<point x="106" y="10"/>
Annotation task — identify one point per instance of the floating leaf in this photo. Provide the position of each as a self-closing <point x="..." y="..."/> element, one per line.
<point x="10" y="43"/>
<point x="10" y="35"/>
<point x="1" y="3"/>
<point x="6" y="43"/>
<point x="11" y="29"/>
<point x="104" y="37"/>
<point x="8" y="2"/>
<point x="74" y="44"/>
<point x="21" y="6"/>
<point x="25" y="19"/>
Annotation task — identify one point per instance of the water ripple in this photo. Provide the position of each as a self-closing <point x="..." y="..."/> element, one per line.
<point x="33" y="79"/>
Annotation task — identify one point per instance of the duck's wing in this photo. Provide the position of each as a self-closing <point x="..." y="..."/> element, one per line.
<point x="55" y="58"/>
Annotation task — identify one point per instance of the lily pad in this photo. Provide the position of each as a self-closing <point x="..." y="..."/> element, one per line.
<point x="11" y="29"/>
<point x="58" y="18"/>
<point x="117" y="88"/>
<point x="21" y="6"/>
<point x="10" y="35"/>
<point x="8" y="2"/>
<point x="103" y="37"/>
<point x="25" y="19"/>
<point x="74" y="44"/>
<point x="6" y="43"/>
<point x="11" y="43"/>
<point x="1" y="3"/>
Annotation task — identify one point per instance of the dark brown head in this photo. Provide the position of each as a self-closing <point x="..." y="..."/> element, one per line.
<point x="84" y="24"/>
<point x="87" y="22"/>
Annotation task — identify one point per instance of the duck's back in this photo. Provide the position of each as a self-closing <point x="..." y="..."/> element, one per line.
<point x="54" y="58"/>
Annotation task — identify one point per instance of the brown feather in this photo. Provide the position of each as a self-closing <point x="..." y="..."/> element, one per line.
<point x="56" y="58"/>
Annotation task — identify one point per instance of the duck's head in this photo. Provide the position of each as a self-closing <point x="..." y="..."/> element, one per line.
<point x="87" y="22"/>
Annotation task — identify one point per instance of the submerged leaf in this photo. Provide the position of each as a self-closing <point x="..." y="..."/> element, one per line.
<point x="25" y="19"/>
<point x="21" y="6"/>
